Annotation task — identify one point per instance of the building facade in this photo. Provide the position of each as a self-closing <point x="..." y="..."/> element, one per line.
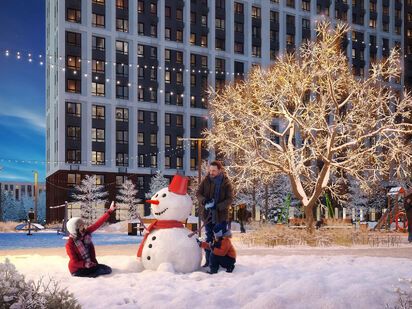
<point x="127" y="80"/>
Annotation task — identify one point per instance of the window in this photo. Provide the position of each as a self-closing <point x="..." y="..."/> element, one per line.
<point x="153" y="139"/>
<point x="153" y="161"/>
<point x="179" y="36"/>
<point x="140" y="94"/>
<point x="98" y="43"/>
<point x="203" y="60"/>
<point x="168" y="99"/>
<point x="192" y="122"/>
<point x="73" y="109"/>
<point x="179" y="120"/>
<point x="121" y="4"/>
<point x="290" y="3"/>
<point x="179" y="162"/>
<point x="140" y="116"/>
<point x="167" y="34"/>
<point x="98" y="66"/>
<point x="167" y="140"/>
<point x="153" y="74"/>
<point x="98" y="112"/>
<point x="101" y="2"/>
<point x="192" y="101"/>
<point x="122" y="47"/>
<point x="220" y="24"/>
<point x="73" y="86"/>
<point x="122" y="69"/>
<point x="179" y="14"/>
<point x="168" y="11"/>
<point x="204" y="20"/>
<point x="153" y="118"/>
<point x="192" y="17"/>
<point x="141" y="160"/>
<point x="238" y="27"/>
<point x="193" y="38"/>
<point x="219" y="44"/>
<point x="97" y="20"/>
<point x="153" y="95"/>
<point x="122" y="92"/>
<point x="179" y="99"/>
<point x="167" y="77"/>
<point x="122" y="137"/>
<point x="98" y="135"/>
<point x="305" y="24"/>
<point x="73" y="39"/>
<point x="73" y="156"/>
<point x="122" y="159"/>
<point x="193" y="80"/>
<point x="153" y="31"/>
<point x="73" y="179"/>
<point x="238" y="48"/>
<point x="167" y="161"/>
<point x="167" y="119"/>
<point x="290" y="40"/>
<point x="220" y="4"/>
<point x="167" y="55"/>
<point x="256" y="51"/>
<point x="256" y="32"/>
<point x="140" y="28"/>
<point x="140" y="138"/>
<point x="73" y="62"/>
<point x="98" y="158"/>
<point x="179" y="78"/>
<point x="99" y="180"/>
<point x="179" y="57"/>
<point x="220" y="64"/>
<point x="140" y="73"/>
<point x="306" y="5"/>
<point x="203" y="41"/>
<point x="140" y="6"/>
<point x="274" y="16"/>
<point x="238" y="8"/>
<point x="255" y="12"/>
<point x="179" y="141"/>
<point x="120" y="180"/>
<point x="153" y="8"/>
<point x="73" y="133"/>
<point x="122" y="25"/>
<point x="153" y="52"/>
<point x="98" y="89"/>
<point x="122" y="114"/>
<point x="73" y="15"/>
<point x="140" y="50"/>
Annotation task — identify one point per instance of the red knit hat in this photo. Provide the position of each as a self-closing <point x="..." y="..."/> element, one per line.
<point x="179" y="184"/>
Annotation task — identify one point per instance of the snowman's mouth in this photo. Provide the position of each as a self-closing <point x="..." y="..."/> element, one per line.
<point x="161" y="212"/>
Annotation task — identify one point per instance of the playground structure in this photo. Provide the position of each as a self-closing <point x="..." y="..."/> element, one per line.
<point x="394" y="213"/>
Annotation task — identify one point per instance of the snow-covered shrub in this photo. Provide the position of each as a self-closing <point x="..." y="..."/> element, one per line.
<point x="16" y="293"/>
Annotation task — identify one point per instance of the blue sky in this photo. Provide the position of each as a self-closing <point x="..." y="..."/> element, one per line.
<point x="22" y="90"/>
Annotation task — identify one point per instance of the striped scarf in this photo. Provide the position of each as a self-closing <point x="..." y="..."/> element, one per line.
<point x="83" y="245"/>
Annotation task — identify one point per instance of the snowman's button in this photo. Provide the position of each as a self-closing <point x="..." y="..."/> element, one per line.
<point x="148" y="257"/>
<point x="154" y="238"/>
<point x="150" y="246"/>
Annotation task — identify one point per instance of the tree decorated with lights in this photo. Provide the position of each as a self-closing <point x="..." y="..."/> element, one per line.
<point x="90" y="195"/>
<point x="128" y="197"/>
<point x="309" y="118"/>
<point x="157" y="182"/>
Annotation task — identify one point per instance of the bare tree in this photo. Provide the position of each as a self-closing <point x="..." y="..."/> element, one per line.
<point x="309" y="118"/>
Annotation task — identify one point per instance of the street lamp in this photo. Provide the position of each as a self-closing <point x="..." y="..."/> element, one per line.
<point x="36" y="178"/>
<point x="199" y="170"/>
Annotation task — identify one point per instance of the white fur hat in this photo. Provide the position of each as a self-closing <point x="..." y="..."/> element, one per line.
<point x="73" y="224"/>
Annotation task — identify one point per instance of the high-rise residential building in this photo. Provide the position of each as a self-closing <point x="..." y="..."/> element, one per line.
<point x="128" y="79"/>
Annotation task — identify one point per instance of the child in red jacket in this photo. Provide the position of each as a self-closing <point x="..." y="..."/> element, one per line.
<point x="80" y="248"/>
<point x="223" y="253"/>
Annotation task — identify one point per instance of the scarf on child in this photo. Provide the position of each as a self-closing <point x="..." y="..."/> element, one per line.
<point x="157" y="225"/>
<point x="83" y="245"/>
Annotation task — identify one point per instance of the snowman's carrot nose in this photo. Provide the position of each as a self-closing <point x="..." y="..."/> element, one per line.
<point x="153" y="202"/>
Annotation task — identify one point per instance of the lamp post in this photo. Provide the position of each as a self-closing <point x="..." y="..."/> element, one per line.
<point x="36" y="178"/>
<point x="30" y="219"/>
<point x="199" y="171"/>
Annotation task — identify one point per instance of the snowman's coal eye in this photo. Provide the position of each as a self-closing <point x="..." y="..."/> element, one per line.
<point x="156" y="195"/>
<point x="164" y="195"/>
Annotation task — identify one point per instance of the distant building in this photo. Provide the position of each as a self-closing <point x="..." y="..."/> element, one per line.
<point x="20" y="189"/>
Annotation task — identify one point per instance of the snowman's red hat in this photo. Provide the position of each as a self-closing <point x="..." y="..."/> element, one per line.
<point x="179" y="184"/>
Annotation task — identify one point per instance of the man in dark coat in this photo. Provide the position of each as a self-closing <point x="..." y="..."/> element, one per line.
<point x="215" y="195"/>
<point x="242" y="217"/>
<point x="408" y="208"/>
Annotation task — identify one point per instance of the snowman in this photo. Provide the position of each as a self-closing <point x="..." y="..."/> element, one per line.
<point x="167" y="245"/>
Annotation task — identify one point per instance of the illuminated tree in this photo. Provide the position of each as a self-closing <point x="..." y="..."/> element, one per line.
<point x="309" y="118"/>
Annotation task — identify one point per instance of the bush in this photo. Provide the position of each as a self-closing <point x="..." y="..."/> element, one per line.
<point x="15" y="292"/>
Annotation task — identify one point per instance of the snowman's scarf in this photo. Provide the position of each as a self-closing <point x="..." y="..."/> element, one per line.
<point x="157" y="225"/>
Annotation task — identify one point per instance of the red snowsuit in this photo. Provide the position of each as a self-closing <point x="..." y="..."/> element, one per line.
<point x="76" y="261"/>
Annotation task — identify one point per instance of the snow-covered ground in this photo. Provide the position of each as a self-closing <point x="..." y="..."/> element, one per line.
<point x="258" y="281"/>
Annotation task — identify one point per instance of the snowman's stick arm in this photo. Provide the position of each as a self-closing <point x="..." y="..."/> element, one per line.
<point x="201" y="227"/>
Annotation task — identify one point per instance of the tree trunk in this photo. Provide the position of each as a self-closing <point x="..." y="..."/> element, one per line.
<point x="254" y="204"/>
<point x="266" y="201"/>
<point x="309" y="220"/>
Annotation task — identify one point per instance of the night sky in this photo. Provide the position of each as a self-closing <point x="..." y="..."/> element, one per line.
<point x="22" y="90"/>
